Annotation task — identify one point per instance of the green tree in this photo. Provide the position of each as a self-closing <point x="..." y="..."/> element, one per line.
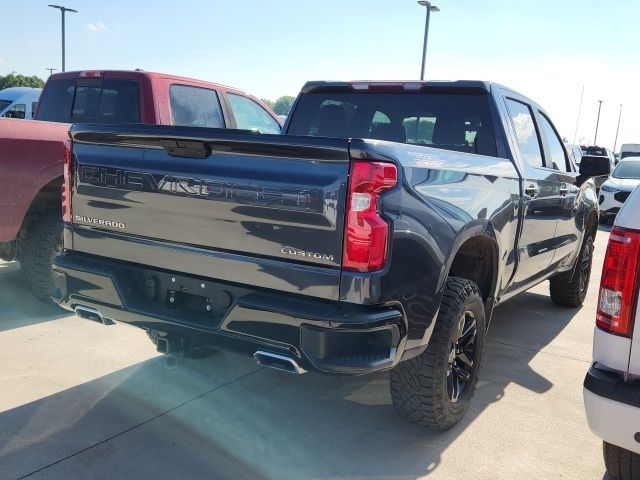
<point x="16" y="80"/>
<point x="282" y="105"/>
<point x="267" y="102"/>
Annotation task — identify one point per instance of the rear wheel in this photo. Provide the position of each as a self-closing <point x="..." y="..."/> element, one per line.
<point x="569" y="289"/>
<point x="621" y="464"/>
<point x="435" y="389"/>
<point x="42" y="241"/>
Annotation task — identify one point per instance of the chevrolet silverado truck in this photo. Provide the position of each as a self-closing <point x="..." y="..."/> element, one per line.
<point x="32" y="152"/>
<point x="378" y="233"/>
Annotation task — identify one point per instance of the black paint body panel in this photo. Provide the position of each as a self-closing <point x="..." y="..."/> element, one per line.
<point x="265" y="213"/>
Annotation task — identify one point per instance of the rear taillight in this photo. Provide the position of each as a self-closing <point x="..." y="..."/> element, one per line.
<point x="68" y="181"/>
<point x="366" y="232"/>
<point x="619" y="283"/>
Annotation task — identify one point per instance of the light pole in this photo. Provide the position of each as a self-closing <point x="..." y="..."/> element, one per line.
<point x="63" y="10"/>
<point x="615" y="144"/>
<point x="430" y="8"/>
<point x="51" y="70"/>
<point x="595" y="138"/>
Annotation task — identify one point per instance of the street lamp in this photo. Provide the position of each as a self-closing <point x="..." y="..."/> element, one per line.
<point x="615" y="144"/>
<point x="63" y="10"/>
<point x="595" y="138"/>
<point x="430" y="8"/>
<point x="51" y="70"/>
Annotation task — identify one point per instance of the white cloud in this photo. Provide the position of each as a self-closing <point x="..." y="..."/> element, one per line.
<point x="96" y="27"/>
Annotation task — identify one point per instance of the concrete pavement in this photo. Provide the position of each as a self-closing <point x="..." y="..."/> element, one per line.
<point x="80" y="400"/>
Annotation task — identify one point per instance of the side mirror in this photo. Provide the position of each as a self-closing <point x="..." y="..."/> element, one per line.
<point x="592" y="166"/>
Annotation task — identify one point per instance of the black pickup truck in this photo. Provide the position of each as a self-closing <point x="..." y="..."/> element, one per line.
<point x="378" y="233"/>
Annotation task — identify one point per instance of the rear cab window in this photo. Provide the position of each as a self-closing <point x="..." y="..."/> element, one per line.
<point x="93" y="100"/>
<point x="195" y="107"/>
<point x="451" y="121"/>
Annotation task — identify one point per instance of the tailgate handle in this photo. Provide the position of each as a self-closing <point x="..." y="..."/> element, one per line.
<point x="186" y="148"/>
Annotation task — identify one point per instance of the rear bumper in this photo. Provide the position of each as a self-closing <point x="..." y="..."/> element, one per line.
<point x="613" y="408"/>
<point x="324" y="336"/>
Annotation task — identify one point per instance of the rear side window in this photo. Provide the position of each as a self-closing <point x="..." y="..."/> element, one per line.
<point x="450" y="121"/>
<point x="34" y="107"/>
<point x="90" y="100"/>
<point x="195" y="107"/>
<point x="249" y="115"/>
<point x="526" y="133"/>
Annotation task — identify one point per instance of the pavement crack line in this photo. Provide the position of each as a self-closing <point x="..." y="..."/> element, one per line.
<point x="140" y="424"/>
<point x="582" y="360"/>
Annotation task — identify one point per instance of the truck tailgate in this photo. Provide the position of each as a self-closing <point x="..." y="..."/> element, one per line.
<point x="228" y="205"/>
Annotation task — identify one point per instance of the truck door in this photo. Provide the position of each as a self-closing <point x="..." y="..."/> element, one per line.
<point x="540" y="193"/>
<point x="568" y="229"/>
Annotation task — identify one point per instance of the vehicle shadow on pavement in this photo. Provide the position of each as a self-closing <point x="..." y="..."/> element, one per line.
<point x="224" y="417"/>
<point x="18" y="307"/>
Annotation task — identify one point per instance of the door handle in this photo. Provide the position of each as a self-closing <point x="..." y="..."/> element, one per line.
<point x="532" y="190"/>
<point x="564" y="190"/>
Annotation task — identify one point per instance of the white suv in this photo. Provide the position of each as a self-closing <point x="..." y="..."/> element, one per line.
<point x="612" y="385"/>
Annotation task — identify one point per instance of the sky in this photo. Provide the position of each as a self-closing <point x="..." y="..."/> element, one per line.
<point x="547" y="50"/>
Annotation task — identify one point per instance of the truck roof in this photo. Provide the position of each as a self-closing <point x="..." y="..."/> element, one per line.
<point x="14" y="93"/>
<point x="408" y="85"/>
<point x="132" y="74"/>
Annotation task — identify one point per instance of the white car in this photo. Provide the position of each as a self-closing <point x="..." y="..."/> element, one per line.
<point x="612" y="385"/>
<point x="629" y="150"/>
<point x="613" y="193"/>
<point x="19" y="102"/>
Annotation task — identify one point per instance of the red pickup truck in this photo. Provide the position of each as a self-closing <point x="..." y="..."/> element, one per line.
<point x="32" y="152"/>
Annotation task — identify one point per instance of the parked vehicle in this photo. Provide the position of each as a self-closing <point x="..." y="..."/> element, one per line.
<point x="612" y="385"/>
<point x="575" y="153"/>
<point x="19" y="102"/>
<point x="379" y="233"/>
<point x="615" y="191"/>
<point x="629" y="150"/>
<point x="32" y="152"/>
<point x="601" y="152"/>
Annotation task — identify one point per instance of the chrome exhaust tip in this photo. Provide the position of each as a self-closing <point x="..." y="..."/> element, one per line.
<point x="90" y="313"/>
<point x="278" y="362"/>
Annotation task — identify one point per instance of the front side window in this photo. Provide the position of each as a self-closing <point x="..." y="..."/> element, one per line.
<point x="526" y="133"/>
<point x="250" y="115"/>
<point x="195" y="107"/>
<point x="556" y="150"/>
<point x="4" y="104"/>
<point x="19" y="110"/>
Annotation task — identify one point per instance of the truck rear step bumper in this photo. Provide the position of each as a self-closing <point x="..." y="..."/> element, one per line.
<point x="324" y="336"/>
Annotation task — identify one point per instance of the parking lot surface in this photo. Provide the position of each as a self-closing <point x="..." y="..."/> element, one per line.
<point x="81" y="400"/>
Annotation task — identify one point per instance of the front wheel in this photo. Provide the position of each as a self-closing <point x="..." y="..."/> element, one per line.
<point x="569" y="289"/>
<point x="435" y="389"/>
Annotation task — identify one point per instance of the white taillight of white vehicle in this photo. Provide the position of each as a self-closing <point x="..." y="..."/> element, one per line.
<point x="619" y="285"/>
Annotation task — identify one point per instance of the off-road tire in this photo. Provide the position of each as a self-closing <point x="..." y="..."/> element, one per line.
<point x="621" y="464"/>
<point x="41" y="241"/>
<point x="419" y="385"/>
<point x="566" y="288"/>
